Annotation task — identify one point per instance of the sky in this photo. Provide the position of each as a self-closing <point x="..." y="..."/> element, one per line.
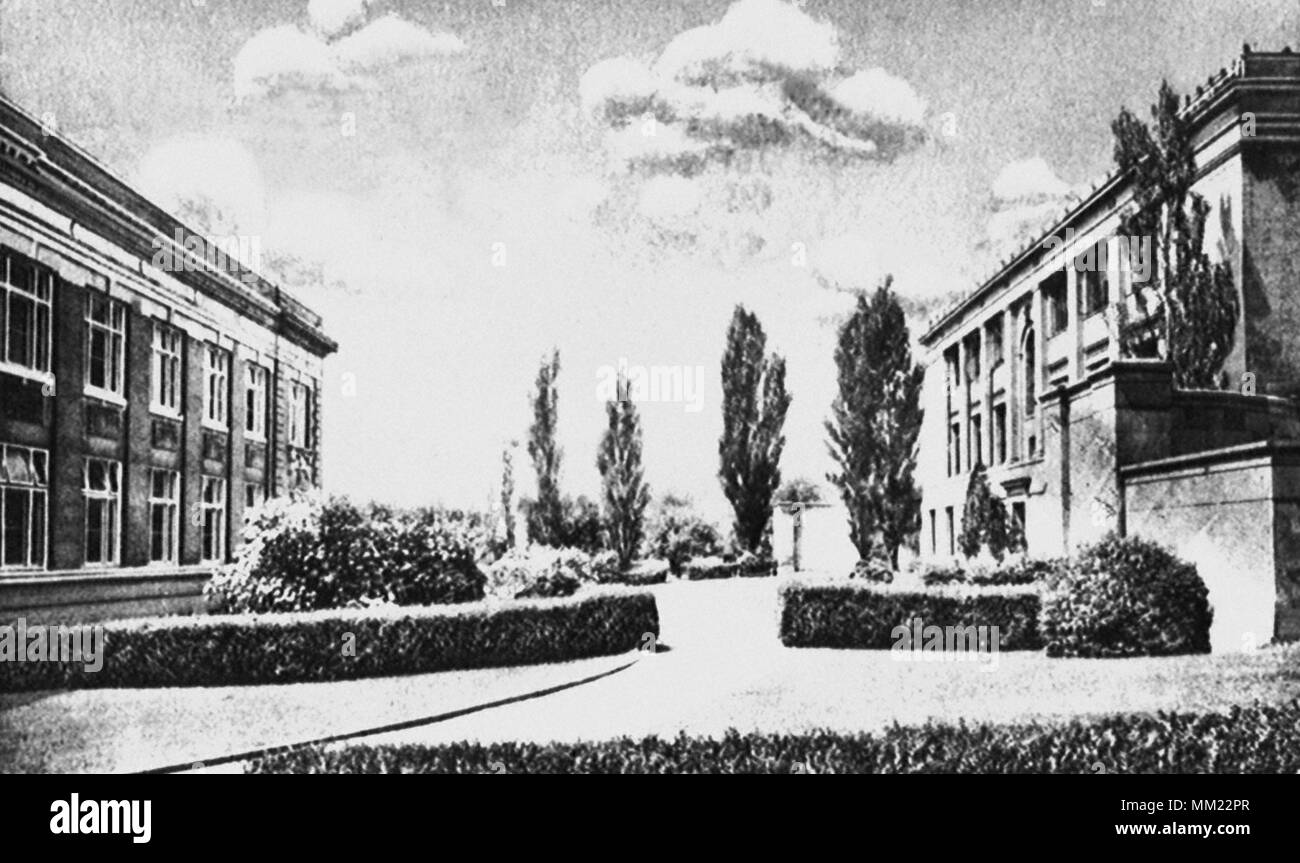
<point x="459" y="187"/>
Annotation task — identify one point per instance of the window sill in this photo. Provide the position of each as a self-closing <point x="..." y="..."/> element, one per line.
<point x="105" y="396"/>
<point x="166" y="413"/>
<point x="216" y="427"/>
<point x="254" y="437"/>
<point x="27" y="373"/>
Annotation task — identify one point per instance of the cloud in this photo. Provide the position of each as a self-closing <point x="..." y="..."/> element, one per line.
<point x="765" y="76"/>
<point x="1029" y="180"/>
<point x="211" y="184"/>
<point x="330" y="17"/>
<point x="287" y="57"/>
<point x="1027" y="196"/>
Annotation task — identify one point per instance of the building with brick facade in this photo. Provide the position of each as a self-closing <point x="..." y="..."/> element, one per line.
<point x="1026" y="375"/>
<point x="151" y="390"/>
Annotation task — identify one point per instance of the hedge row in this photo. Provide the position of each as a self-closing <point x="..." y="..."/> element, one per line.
<point x="859" y="614"/>
<point x="1257" y="739"/>
<point x="348" y="644"/>
<point x="715" y="567"/>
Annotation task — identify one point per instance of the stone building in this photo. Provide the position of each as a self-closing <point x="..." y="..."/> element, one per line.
<point x="1026" y="375"/>
<point x="152" y="388"/>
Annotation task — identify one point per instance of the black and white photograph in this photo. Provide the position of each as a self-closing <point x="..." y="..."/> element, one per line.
<point x="679" y="386"/>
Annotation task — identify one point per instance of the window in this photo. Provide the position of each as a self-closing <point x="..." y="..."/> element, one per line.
<point x="993" y="337"/>
<point x="25" y="294"/>
<point x="101" y="484"/>
<point x="166" y="376"/>
<point x="216" y="385"/>
<point x="1018" y="516"/>
<point x="934" y="533"/>
<point x="255" y="389"/>
<point x="972" y="348"/>
<point x="1029" y="371"/>
<point x="952" y="529"/>
<point x="1057" y="309"/>
<point x="105" y="345"/>
<point x="300" y="415"/>
<point x="976" y="441"/>
<point x="164" y="515"/>
<point x="1000" y="434"/>
<point x="212" y="504"/>
<point x="1095" y="282"/>
<point x="954" y="449"/>
<point x="254" y="496"/>
<point x="23" y="482"/>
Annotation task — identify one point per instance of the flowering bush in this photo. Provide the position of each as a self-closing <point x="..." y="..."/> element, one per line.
<point x="309" y="551"/>
<point x="679" y="535"/>
<point x="540" y="570"/>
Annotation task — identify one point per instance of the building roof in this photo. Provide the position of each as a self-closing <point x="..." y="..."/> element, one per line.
<point x="1257" y="66"/>
<point x="60" y="174"/>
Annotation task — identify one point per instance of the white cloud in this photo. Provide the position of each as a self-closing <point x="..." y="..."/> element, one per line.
<point x="752" y="36"/>
<point x="877" y="94"/>
<point x="1028" y="179"/>
<point x="286" y="56"/>
<point x="330" y="17"/>
<point x="212" y="184"/>
<point x="391" y="40"/>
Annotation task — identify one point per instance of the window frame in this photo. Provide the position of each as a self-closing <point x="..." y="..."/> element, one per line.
<point x="300" y="415"/>
<point x="255" y="420"/>
<point x="38" y="483"/>
<point x="38" y="364"/>
<point x="110" y="545"/>
<point x="216" y="387"/>
<point x="160" y="357"/>
<point x="214" y="507"/>
<point x="172" y="512"/>
<point x="114" y="331"/>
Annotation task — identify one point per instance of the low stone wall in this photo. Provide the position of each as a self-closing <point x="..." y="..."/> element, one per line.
<point x="86" y="596"/>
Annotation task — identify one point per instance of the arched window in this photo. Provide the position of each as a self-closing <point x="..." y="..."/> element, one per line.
<point x="1029" y="392"/>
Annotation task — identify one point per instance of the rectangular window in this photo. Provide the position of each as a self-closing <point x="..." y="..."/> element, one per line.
<point x="166" y="370"/>
<point x="24" y="484"/>
<point x="105" y="345"/>
<point x="934" y="533"/>
<point x="972" y="350"/>
<point x="1057" y="309"/>
<point x="300" y="415"/>
<point x="212" y="503"/>
<point x="952" y="530"/>
<point x="26" y="292"/>
<point x="254" y="496"/>
<point x="256" y="380"/>
<point x="164" y="515"/>
<point x="1000" y="434"/>
<point x="976" y="441"/>
<point x="993" y="335"/>
<point x="101" y="485"/>
<point x="1018" y="516"/>
<point x="216" y="385"/>
<point x="954" y="449"/>
<point x="1094" y="293"/>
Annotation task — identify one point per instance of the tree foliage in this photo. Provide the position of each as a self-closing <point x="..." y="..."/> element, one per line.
<point x="546" y="513"/>
<point x="875" y="420"/>
<point x="623" y="480"/>
<point x="1198" y="297"/>
<point x="754" y="405"/>
<point x="985" y="523"/>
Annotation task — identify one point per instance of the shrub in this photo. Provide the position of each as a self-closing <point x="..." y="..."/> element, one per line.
<point x="678" y="534"/>
<point x="1025" y="570"/>
<point x="579" y="524"/>
<point x="857" y="614"/>
<point x="939" y="574"/>
<point x="750" y="565"/>
<point x="1256" y="739"/>
<point x="232" y="650"/>
<point x="542" y="571"/>
<point x="1127" y="596"/>
<point x="710" y="567"/>
<point x="643" y="572"/>
<point x="311" y="552"/>
<point x="875" y="570"/>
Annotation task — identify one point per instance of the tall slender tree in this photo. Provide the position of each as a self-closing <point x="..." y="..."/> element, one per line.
<point x="546" y="514"/>
<point x="625" y="492"/>
<point x="875" y="421"/>
<point x="754" y="405"/>
<point x="508" y="491"/>
<point x="1198" y="297"/>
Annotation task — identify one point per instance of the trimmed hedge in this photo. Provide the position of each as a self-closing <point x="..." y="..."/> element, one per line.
<point x="747" y="566"/>
<point x="1127" y="596"/>
<point x="225" y="650"/>
<point x="1257" y="739"/>
<point x="860" y="614"/>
